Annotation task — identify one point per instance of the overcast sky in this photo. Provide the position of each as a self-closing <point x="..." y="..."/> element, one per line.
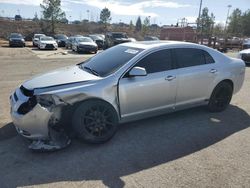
<point x="160" y="11"/>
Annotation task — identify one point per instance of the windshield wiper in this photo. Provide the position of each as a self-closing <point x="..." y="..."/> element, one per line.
<point x="92" y="71"/>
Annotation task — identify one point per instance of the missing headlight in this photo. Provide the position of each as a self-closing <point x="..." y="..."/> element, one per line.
<point x="27" y="106"/>
<point x="45" y="100"/>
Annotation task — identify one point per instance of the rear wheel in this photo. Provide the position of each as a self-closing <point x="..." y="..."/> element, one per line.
<point x="95" y="121"/>
<point x="220" y="97"/>
<point x="77" y="50"/>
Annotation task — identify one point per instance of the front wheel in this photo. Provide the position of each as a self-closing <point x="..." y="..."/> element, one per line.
<point x="95" y="121"/>
<point x="220" y="97"/>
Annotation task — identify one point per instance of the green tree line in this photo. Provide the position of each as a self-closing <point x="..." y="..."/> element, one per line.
<point x="239" y="23"/>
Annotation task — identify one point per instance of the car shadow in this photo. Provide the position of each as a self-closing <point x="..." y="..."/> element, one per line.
<point x="80" y="53"/>
<point x="137" y="146"/>
<point x="7" y="131"/>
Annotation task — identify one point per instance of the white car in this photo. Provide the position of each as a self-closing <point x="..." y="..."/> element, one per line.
<point x="36" y="38"/>
<point x="47" y="43"/>
<point x="245" y="53"/>
<point x="245" y="56"/>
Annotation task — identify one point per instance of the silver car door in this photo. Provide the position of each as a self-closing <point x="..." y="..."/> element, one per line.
<point x="155" y="91"/>
<point x="196" y="74"/>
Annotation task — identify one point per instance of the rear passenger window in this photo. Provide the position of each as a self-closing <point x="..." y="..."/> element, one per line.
<point x="188" y="57"/>
<point x="208" y="58"/>
<point x="156" y="62"/>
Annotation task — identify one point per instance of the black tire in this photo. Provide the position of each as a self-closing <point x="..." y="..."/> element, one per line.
<point x="95" y="121"/>
<point x="77" y="50"/>
<point x="221" y="97"/>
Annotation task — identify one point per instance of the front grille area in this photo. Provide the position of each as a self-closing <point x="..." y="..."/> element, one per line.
<point x="245" y="57"/>
<point x="49" y="46"/>
<point x="26" y="92"/>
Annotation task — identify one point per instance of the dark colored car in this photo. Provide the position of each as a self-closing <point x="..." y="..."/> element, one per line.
<point x="98" y="40"/>
<point x="150" y="38"/>
<point x="61" y="40"/>
<point x="70" y="40"/>
<point x="84" y="44"/>
<point x="114" y="38"/>
<point x="16" y="39"/>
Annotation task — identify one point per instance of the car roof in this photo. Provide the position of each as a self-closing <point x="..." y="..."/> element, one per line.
<point x="159" y="43"/>
<point x="46" y="37"/>
<point x="83" y="37"/>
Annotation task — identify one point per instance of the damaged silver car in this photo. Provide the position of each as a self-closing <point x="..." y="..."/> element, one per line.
<point x="127" y="82"/>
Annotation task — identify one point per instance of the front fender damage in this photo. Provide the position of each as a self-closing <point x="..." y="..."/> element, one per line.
<point x="58" y="137"/>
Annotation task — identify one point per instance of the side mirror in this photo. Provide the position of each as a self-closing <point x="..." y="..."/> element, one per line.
<point x="137" y="71"/>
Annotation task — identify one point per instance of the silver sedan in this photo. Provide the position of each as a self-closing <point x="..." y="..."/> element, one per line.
<point x="127" y="82"/>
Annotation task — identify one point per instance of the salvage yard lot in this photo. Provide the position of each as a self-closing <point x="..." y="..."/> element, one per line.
<point x="191" y="148"/>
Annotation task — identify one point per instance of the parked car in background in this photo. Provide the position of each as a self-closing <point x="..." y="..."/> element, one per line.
<point x="132" y="39"/>
<point x="48" y="43"/>
<point x="84" y="44"/>
<point x="36" y="39"/>
<point x="246" y="43"/>
<point x="245" y="56"/>
<point x="148" y="78"/>
<point x="61" y="40"/>
<point x="69" y="41"/>
<point x="98" y="40"/>
<point x="114" y="38"/>
<point x="16" y="39"/>
<point x="150" y="38"/>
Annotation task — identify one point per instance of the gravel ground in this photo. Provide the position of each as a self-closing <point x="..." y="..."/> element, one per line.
<point x="190" y="148"/>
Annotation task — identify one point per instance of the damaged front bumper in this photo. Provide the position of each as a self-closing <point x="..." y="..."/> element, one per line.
<point x="35" y="122"/>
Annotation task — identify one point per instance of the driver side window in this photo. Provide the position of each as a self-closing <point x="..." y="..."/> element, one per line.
<point x="156" y="62"/>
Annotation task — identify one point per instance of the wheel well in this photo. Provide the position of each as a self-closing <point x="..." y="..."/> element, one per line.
<point x="67" y="112"/>
<point x="72" y="108"/>
<point x="229" y="82"/>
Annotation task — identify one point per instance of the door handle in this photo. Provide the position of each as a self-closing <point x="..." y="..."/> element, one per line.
<point x="169" y="78"/>
<point x="213" y="71"/>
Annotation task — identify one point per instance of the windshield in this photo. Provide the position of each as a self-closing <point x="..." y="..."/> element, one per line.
<point x="46" y="38"/>
<point x="61" y="37"/>
<point x="38" y="36"/>
<point x="84" y="40"/>
<point x="94" y="37"/>
<point x="119" y="35"/>
<point x="110" y="60"/>
<point x="16" y="36"/>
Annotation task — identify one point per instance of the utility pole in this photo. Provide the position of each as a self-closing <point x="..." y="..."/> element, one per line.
<point x="198" y="22"/>
<point x="228" y="6"/>
<point x="225" y="29"/>
<point x="88" y="15"/>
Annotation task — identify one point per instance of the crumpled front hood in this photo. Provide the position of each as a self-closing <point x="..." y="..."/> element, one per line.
<point x="61" y="76"/>
<point x="246" y="51"/>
